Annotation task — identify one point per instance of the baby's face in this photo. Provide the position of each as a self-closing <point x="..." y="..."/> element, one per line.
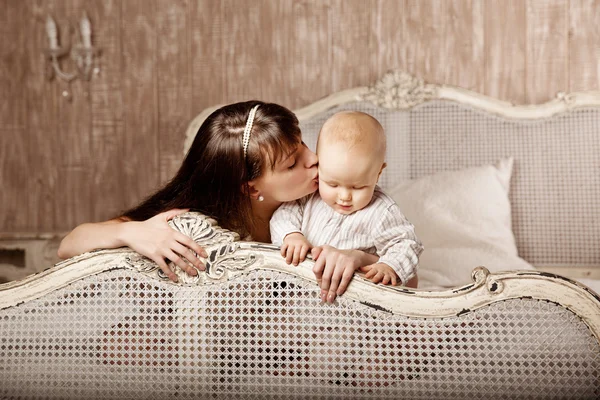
<point x="347" y="177"/>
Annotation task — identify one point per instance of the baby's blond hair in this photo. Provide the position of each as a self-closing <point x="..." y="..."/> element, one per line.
<point x="354" y="129"/>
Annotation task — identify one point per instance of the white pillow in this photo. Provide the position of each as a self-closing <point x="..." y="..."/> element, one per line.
<point x="463" y="219"/>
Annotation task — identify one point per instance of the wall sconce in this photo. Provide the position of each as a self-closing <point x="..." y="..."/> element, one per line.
<point x="83" y="54"/>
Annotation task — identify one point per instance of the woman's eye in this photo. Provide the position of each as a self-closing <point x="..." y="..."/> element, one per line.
<point x="292" y="166"/>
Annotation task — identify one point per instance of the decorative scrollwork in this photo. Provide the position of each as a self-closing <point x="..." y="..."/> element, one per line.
<point x="399" y="90"/>
<point x="222" y="247"/>
<point x="224" y="258"/>
<point x="202" y="229"/>
<point x="480" y="275"/>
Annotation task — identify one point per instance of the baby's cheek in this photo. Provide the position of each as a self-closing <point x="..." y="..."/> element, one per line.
<point x="325" y="193"/>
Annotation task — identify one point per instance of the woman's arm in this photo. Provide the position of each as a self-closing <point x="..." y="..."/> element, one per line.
<point x="153" y="238"/>
<point x="92" y="236"/>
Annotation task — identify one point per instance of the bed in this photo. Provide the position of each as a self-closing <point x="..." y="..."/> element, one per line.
<point x="505" y="200"/>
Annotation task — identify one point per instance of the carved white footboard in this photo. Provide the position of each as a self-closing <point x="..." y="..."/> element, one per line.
<point x="109" y="325"/>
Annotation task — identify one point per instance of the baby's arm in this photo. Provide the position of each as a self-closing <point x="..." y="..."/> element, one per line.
<point x="397" y="245"/>
<point x="286" y="224"/>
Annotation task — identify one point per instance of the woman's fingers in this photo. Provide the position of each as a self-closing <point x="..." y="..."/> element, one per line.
<point x="168" y="215"/>
<point x="190" y="243"/>
<point x="183" y="247"/>
<point x="188" y="255"/>
<point x="346" y="278"/>
<point x="165" y="268"/>
<point x="318" y="268"/>
<point x="336" y="278"/>
<point x="326" y="280"/>
<point x="177" y="260"/>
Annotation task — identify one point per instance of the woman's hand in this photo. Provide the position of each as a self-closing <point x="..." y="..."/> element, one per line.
<point x="334" y="269"/>
<point x="155" y="239"/>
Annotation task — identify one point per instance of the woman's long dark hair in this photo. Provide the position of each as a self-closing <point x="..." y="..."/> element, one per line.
<point x="214" y="176"/>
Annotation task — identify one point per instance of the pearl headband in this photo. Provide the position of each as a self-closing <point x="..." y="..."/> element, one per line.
<point x="248" y="128"/>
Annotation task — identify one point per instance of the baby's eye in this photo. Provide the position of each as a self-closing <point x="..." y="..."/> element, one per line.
<point x="358" y="187"/>
<point x="333" y="185"/>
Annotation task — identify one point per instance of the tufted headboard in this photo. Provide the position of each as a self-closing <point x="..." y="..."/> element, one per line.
<point x="555" y="186"/>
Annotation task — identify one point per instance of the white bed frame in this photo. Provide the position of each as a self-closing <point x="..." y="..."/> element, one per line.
<point x="235" y="268"/>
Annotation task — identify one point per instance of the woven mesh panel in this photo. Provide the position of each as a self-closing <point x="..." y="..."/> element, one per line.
<point x="556" y="180"/>
<point x="266" y="335"/>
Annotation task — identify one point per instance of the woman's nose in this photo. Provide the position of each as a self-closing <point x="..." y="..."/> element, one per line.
<point x="311" y="158"/>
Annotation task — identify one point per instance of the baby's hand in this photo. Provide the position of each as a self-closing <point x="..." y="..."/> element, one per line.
<point x="380" y="272"/>
<point x="295" y="247"/>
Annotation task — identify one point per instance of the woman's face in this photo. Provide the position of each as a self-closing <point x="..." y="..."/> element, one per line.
<point x="292" y="178"/>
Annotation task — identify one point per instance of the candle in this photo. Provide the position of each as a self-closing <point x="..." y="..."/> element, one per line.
<point x="52" y="33"/>
<point x="86" y="32"/>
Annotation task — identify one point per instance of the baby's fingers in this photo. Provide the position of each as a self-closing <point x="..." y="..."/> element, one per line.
<point x="378" y="277"/>
<point x="296" y="256"/>
<point x="289" y="256"/>
<point x="303" y="252"/>
<point x="284" y="249"/>
<point x="371" y="273"/>
<point x="386" y="279"/>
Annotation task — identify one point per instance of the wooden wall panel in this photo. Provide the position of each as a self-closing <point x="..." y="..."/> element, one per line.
<point x="445" y="42"/>
<point x="74" y="130"/>
<point x="208" y="48"/>
<point x="355" y="50"/>
<point x="505" y="34"/>
<point x="41" y="195"/>
<point x="107" y="136"/>
<point x="174" y="82"/>
<point x="13" y="146"/>
<point x="584" y="44"/>
<point x="140" y="169"/>
<point x="547" y="52"/>
<point x="118" y="137"/>
<point x="306" y="64"/>
<point x="12" y="58"/>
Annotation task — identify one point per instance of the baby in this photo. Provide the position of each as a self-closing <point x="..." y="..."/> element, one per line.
<point x="349" y="211"/>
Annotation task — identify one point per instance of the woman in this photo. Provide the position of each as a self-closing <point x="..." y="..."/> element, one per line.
<point x="246" y="160"/>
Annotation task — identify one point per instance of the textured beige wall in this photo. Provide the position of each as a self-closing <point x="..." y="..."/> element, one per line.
<point x="64" y="161"/>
